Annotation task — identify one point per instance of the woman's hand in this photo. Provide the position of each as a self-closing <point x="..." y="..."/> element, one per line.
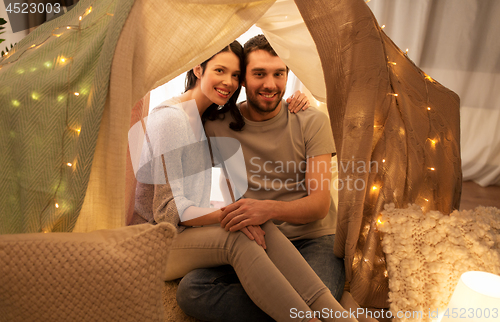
<point x="298" y="101"/>
<point x="255" y="233"/>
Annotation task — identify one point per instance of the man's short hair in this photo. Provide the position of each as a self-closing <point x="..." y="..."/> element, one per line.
<point x="258" y="42"/>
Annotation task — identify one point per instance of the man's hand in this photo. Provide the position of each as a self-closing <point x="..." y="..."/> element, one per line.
<point x="298" y="101"/>
<point x="246" y="212"/>
<point x="255" y="233"/>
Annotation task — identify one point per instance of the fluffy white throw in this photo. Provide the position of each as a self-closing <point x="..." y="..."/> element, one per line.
<point x="427" y="252"/>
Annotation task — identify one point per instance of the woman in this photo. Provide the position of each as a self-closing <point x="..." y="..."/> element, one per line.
<point x="277" y="278"/>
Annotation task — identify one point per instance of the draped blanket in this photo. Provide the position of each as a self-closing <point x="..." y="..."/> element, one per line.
<point x="53" y="86"/>
<point x="397" y="133"/>
<point x="427" y="253"/>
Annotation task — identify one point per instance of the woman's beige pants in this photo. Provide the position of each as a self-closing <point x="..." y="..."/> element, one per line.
<point x="277" y="279"/>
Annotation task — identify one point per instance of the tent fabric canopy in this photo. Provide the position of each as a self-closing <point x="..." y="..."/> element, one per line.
<point x="408" y="144"/>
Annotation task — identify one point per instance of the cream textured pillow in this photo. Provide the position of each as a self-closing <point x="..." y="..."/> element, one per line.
<point x="106" y="275"/>
<point x="427" y="253"/>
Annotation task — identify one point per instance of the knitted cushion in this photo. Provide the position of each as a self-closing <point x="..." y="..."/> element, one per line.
<point x="106" y="275"/>
<point x="427" y="253"/>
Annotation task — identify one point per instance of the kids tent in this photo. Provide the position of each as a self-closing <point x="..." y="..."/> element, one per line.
<point x="69" y="90"/>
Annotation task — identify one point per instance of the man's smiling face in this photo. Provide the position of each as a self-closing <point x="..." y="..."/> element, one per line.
<point x="265" y="82"/>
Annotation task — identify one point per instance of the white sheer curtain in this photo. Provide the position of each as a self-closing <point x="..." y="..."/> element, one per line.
<point x="456" y="43"/>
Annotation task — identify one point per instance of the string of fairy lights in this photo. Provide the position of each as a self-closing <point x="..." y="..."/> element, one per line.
<point x="376" y="188"/>
<point x="60" y="61"/>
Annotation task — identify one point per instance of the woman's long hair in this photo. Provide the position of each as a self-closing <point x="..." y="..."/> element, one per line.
<point x="212" y="112"/>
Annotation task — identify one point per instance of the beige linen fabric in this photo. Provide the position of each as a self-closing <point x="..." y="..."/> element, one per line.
<point x="416" y="150"/>
<point x="160" y="40"/>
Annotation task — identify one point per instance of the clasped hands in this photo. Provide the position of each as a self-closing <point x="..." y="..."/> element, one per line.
<point x="247" y="215"/>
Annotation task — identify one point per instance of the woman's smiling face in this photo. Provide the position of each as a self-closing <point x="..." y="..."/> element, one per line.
<point x="221" y="77"/>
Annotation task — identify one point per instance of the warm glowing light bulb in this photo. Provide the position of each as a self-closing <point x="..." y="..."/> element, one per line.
<point x="16" y="103"/>
<point x="406" y="52"/>
<point x="89" y="10"/>
<point x="428" y="108"/>
<point x="383" y="26"/>
<point x="68" y="27"/>
<point x="383" y="160"/>
<point x="57" y="205"/>
<point x="63" y="60"/>
<point x="374" y="188"/>
<point x="78" y="131"/>
<point x="432" y="169"/>
<point x="393" y="94"/>
<point x="35" y="96"/>
<point x="77" y="94"/>
<point x="32" y="46"/>
<point x="69" y="164"/>
<point x="393" y="63"/>
<point x="80" y="18"/>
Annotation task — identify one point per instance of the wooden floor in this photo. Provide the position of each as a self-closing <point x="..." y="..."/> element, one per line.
<point x="474" y="195"/>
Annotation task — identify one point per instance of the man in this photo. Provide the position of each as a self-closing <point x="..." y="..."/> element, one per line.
<point x="287" y="159"/>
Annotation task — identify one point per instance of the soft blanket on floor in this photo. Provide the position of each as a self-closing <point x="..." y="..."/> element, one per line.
<point x="427" y="252"/>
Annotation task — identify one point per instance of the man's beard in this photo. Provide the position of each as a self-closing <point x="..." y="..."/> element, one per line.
<point x="253" y="103"/>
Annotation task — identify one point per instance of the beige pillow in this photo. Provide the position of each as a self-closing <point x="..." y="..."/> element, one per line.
<point x="106" y="275"/>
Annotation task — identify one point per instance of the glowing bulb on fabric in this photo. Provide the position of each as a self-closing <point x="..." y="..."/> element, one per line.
<point x="428" y="108"/>
<point x="432" y="169"/>
<point x="77" y="94"/>
<point x="383" y="26"/>
<point x="35" y="96"/>
<point x="57" y="205"/>
<point x="69" y="164"/>
<point x="383" y="160"/>
<point x="16" y="103"/>
<point x="47" y="64"/>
